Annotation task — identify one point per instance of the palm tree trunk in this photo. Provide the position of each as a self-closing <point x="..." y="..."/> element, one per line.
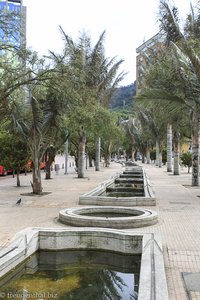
<point x="86" y="160"/>
<point x="90" y="160"/>
<point x="157" y="152"/>
<point x="148" y="154"/>
<point x="37" y="183"/>
<point x="169" y="148"/>
<point x="143" y="158"/>
<point x="18" y="180"/>
<point x="49" y="158"/>
<point x="107" y="154"/>
<point x="36" y="172"/>
<point x="160" y="159"/>
<point x="97" y="154"/>
<point x="106" y="158"/>
<point x="195" y="148"/>
<point x="133" y="153"/>
<point x="81" y="153"/>
<point x="48" y="169"/>
<point x="176" y="154"/>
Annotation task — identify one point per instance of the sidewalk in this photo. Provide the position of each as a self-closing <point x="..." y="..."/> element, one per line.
<point x="64" y="191"/>
<point x="178" y="207"/>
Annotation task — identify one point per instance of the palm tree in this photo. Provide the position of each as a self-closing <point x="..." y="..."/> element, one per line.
<point x="186" y="46"/>
<point x="153" y="120"/>
<point x="38" y="124"/>
<point x="174" y="78"/>
<point x="95" y="79"/>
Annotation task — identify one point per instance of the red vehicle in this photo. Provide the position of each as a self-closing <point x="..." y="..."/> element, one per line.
<point x="3" y="171"/>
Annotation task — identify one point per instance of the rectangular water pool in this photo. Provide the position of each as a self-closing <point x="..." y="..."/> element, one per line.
<point x="74" y="274"/>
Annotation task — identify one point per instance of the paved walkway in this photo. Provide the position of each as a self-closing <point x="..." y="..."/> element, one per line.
<point x="178" y="206"/>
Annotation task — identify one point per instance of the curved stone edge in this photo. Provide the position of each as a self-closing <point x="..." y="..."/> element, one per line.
<point x="93" y="197"/>
<point x="73" y="217"/>
<point x="152" y="274"/>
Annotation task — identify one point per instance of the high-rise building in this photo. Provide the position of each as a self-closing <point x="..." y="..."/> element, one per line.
<point x="13" y="23"/>
<point x="153" y="44"/>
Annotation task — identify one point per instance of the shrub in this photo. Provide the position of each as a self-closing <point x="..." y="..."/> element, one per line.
<point x="186" y="159"/>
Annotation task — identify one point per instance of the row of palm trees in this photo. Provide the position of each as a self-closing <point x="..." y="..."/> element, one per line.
<point x="171" y="95"/>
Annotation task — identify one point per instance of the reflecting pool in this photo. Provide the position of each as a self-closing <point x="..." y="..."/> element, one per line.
<point x="74" y="274"/>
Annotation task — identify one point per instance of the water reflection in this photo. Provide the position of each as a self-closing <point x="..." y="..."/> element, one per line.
<point x="78" y="275"/>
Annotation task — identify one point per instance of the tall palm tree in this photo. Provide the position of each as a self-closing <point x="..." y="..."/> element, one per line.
<point x="38" y="124"/>
<point x="95" y="77"/>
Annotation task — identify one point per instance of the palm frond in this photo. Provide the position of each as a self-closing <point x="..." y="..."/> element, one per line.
<point x="159" y="94"/>
<point x="67" y="39"/>
<point x="37" y="115"/>
<point x="169" y="22"/>
<point x="98" y="49"/>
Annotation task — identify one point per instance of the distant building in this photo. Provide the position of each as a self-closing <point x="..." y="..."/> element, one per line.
<point x="142" y="61"/>
<point x="13" y="23"/>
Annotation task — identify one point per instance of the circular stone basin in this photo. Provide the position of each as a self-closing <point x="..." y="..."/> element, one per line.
<point x="108" y="217"/>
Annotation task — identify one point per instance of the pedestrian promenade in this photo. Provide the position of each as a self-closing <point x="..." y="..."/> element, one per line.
<point x="178" y="207"/>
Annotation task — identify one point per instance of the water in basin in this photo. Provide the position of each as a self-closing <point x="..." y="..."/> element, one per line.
<point x="124" y="189"/>
<point x="131" y="175"/>
<point x="84" y="275"/>
<point x="122" y="194"/>
<point x="111" y="214"/>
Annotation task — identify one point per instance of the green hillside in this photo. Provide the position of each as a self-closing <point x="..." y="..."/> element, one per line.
<point x="123" y="97"/>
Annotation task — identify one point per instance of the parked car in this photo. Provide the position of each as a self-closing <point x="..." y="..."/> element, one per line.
<point x="3" y="171"/>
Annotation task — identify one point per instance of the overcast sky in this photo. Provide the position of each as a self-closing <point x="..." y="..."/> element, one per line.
<point x="127" y="23"/>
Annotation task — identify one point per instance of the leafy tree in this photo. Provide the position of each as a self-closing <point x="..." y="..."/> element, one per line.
<point x="14" y="152"/>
